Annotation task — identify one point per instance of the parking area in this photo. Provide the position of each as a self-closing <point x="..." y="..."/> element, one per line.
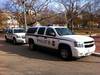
<point x="18" y="60"/>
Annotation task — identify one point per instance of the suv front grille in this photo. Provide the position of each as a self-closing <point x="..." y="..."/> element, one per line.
<point x="89" y="44"/>
<point x="86" y="46"/>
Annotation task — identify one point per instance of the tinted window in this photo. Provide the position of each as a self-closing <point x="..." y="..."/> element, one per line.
<point x="41" y="30"/>
<point x="10" y="31"/>
<point x="31" y="30"/>
<point x="19" y="31"/>
<point x="6" y="31"/>
<point x="50" y="31"/>
<point x="63" y="31"/>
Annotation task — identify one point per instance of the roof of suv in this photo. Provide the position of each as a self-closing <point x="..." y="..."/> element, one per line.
<point x="17" y="28"/>
<point x="50" y="26"/>
<point x="12" y="28"/>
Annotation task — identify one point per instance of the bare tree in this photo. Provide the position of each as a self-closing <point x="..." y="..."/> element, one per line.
<point x="32" y="8"/>
<point x="91" y="9"/>
<point x="75" y="8"/>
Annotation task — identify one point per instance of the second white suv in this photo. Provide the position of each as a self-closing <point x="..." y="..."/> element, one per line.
<point x="17" y="35"/>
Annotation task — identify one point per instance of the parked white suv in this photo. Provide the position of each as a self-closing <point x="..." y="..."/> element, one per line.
<point x="62" y="39"/>
<point x="17" y="35"/>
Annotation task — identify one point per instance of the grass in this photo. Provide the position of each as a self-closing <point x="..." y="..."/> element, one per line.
<point x="87" y="31"/>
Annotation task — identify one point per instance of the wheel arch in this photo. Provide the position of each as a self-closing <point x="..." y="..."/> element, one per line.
<point x="14" y="38"/>
<point x="30" y="40"/>
<point x="62" y="45"/>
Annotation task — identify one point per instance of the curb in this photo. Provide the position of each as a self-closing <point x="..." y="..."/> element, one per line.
<point x="96" y="54"/>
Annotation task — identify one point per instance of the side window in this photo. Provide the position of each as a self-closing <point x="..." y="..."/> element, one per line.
<point x="41" y="31"/>
<point x="7" y="31"/>
<point x="10" y="31"/>
<point x="50" y="32"/>
<point x="32" y="30"/>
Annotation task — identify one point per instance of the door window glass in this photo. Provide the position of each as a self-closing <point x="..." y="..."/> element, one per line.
<point x="41" y="31"/>
<point x="50" y="32"/>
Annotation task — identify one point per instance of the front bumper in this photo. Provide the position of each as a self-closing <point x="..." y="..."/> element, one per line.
<point x="20" y="40"/>
<point x="80" y="52"/>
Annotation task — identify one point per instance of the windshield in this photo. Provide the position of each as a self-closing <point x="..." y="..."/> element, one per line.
<point x="19" y="31"/>
<point x="64" y="31"/>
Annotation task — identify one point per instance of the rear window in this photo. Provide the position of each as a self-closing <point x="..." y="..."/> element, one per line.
<point x="41" y="30"/>
<point x="32" y="30"/>
<point x="19" y="30"/>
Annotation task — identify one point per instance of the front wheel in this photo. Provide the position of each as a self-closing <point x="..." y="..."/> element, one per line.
<point x="65" y="53"/>
<point x="31" y="46"/>
<point x="14" y="41"/>
<point x="6" y="38"/>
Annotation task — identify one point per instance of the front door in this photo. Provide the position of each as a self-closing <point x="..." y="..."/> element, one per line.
<point x="9" y="34"/>
<point x="52" y="41"/>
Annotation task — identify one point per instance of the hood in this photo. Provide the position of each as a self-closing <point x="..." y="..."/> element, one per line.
<point x="78" y="38"/>
<point x="20" y="34"/>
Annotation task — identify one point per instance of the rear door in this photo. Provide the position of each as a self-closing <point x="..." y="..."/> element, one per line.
<point x="40" y="36"/>
<point x="9" y="34"/>
<point x="31" y="34"/>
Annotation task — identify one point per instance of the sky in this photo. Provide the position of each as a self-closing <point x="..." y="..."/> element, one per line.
<point x="57" y="7"/>
<point x="54" y="5"/>
<point x="2" y="2"/>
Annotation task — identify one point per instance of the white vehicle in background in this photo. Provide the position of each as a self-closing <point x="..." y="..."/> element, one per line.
<point x="61" y="39"/>
<point x="16" y="35"/>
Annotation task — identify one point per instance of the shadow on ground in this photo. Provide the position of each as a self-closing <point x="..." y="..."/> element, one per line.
<point x="22" y="50"/>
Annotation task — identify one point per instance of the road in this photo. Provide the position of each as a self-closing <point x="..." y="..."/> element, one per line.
<point x="18" y="60"/>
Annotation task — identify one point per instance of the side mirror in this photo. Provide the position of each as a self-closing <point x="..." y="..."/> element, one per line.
<point x="52" y="34"/>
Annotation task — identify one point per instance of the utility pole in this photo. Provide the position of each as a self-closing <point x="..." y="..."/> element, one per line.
<point x="25" y="20"/>
<point x="90" y="16"/>
<point x="66" y="23"/>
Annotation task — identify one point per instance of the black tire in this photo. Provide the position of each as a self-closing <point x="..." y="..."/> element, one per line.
<point x="31" y="46"/>
<point x="65" y="53"/>
<point x="14" y="41"/>
<point x="6" y="39"/>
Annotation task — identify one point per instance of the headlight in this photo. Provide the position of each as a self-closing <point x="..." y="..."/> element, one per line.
<point x="78" y="44"/>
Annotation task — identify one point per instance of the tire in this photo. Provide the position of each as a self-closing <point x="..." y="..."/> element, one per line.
<point x="14" y="41"/>
<point x="31" y="46"/>
<point x="66" y="53"/>
<point x="6" y="39"/>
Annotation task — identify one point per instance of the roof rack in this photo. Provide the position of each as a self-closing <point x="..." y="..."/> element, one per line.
<point x="50" y="25"/>
<point x="53" y="25"/>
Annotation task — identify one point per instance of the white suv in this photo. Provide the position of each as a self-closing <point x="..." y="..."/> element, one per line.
<point x="62" y="39"/>
<point x="17" y="35"/>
